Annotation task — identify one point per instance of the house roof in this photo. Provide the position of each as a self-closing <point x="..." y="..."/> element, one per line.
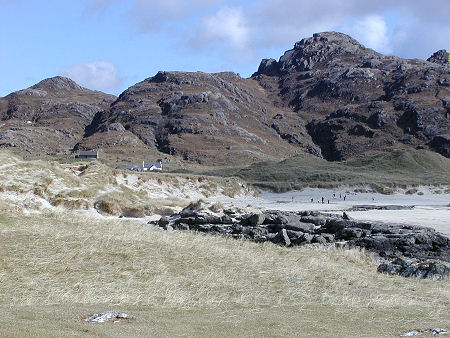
<point x="88" y="152"/>
<point x="156" y="165"/>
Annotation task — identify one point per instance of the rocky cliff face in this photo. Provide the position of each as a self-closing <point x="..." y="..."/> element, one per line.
<point x="355" y="100"/>
<point x="48" y="117"/>
<point x="328" y="96"/>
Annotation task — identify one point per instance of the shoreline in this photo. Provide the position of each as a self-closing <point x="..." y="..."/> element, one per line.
<point x="428" y="209"/>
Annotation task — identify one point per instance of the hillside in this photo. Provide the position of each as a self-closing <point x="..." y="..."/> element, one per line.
<point x="213" y="119"/>
<point x="381" y="172"/>
<point x="329" y="96"/>
<point x="49" y="117"/>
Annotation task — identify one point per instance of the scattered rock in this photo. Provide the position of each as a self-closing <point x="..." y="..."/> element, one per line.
<point x="108" y="316"/>
<point x="403" y="268"/>
<point x="425" y="252"/>
<point x="432" y="331"/>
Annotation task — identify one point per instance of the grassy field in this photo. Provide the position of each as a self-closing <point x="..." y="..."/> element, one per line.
<point x="380" y="172"/>
<point x="57" y="267"/>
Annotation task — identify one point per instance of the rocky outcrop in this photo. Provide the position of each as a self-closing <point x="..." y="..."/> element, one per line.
<point x="441" y="57"/>
<point x="355" y="100"/>
<point x="418" y="251"/>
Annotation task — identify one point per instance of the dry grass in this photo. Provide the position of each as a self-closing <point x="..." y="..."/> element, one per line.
<point x="55" y="268"/>
<point x="383" y="172"/>
<point x="37" y="185"/>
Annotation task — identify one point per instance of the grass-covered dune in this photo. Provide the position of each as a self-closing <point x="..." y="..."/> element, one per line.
<point x="57" y="267"/>
<point x="38" y="185"/>
<point x="380" y="172"/>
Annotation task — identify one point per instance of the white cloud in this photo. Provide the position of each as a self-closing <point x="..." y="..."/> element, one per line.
<point x="151" y="16"/>
<point x="371" y="31"/>
<point x="100" y="75"/>
<point x="248" y="29"/>
<point x="227" y="25"/>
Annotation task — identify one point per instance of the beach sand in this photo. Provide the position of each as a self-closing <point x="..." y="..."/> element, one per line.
<point x="429" y="209"/>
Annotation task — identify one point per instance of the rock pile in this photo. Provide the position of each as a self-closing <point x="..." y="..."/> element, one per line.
<point x="415" y="244"/>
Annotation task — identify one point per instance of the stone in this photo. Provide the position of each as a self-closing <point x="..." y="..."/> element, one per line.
<point x="164" y="220"/>
<point x="349" y="233"/>
<point x="294" y="235"/>
<point x="313" y="220"/>
<point x="181" y="226"/>
<point x="304" y="239"/>
<point x="300" y="226"/>
<point x="433" y="331"/>
<point x="256" y="219"/>
<point x="328" y="237"/>
<point x="282" y="238"/>
<point x="108" y="316"/>
<point x="413" y="269"/>
<point x="319" y="239"/>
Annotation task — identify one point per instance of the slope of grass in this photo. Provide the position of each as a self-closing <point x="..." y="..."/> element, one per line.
<point x="399" y="168"/>
<point x="34" y="185"/>
<point x="55" y="268"/>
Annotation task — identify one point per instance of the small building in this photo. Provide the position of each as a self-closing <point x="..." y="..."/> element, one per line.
<point x="147" y="166"/>
<point x="87" y="154"/>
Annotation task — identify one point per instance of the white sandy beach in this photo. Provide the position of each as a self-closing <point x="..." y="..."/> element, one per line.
<point x="429" y="209"/>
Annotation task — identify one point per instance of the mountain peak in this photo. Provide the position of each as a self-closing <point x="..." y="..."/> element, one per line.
<point x="321" y="47"/>
<point x="57" y="83"/>
<point x="441" y="57"/>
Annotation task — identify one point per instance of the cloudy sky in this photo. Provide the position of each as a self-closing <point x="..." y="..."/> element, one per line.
<point x="111" y="44"/>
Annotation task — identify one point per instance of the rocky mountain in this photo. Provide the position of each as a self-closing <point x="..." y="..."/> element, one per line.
<point x="328" y="96"/>
<point x="354" y="100"/>
<point x="49" y="117"/>
<point x="209" y="118"/>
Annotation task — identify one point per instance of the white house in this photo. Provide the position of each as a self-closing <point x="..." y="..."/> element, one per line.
<point x="152" y="166"/>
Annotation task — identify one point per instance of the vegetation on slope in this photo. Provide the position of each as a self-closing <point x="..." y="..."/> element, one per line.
<point x="37" y="185"/>
<point x="379" y="172"/>
<point x="55" y="268"/>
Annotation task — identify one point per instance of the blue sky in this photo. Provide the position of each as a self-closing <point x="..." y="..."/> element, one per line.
<point x="111" y="44"/>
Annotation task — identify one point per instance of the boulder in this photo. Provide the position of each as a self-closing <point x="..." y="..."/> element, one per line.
<point x="164" y="220"/>
<point x="107" y="316"/>
<point x="300" y="226"/>
<point x="282" y="238"/>
<point x="313" y="220"/>
<point x="256" y="219"/>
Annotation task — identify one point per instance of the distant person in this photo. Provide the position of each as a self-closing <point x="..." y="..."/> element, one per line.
<point x="345" y="196"/>
<point x="322" y="200"/>
<point x="328" y="201"/>
<point x="312" y="200"/>
<point x="340" y="195"/>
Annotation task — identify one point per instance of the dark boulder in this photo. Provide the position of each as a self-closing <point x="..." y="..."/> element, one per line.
<point x="255" y="219"/>
<point x="441" y="144"/>
<point x="282" y="238"/>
